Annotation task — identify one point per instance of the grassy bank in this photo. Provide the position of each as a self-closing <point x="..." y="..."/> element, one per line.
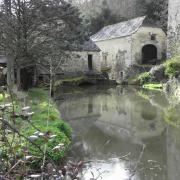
<point x="47" y="119"/>
<point x="40" y="132"/>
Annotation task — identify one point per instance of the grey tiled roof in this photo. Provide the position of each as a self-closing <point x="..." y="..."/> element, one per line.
<point x="119" y="30"/>
<point x="90" y="46"/>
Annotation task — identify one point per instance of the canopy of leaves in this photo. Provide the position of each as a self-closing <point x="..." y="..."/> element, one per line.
<point x="156" y="12"/>
<point x="104" y="18"/>
<point x="32" y="30"/>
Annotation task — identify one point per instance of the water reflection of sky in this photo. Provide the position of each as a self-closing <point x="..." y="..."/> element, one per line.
<point x="113" y="169"/>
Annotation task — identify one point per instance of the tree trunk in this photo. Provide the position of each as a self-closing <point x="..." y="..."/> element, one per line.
<point x="18" y="78"/>
<point x="10" y="72"/>
<point x="35" y="76"/>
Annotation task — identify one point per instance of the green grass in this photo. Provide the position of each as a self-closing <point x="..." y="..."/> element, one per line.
<point x="153" y="86"/>
<point x="54" y="124"/>
<point x="172" y="67"/>
<point x="46" y="119"/>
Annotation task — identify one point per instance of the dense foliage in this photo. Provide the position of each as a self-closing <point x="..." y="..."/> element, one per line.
<point x="172" y="67"/>
<point x="156" y="12"/>
<point x="103" y="18"/>
<point x="144" y="78"/>
<point x="38" y="31"/>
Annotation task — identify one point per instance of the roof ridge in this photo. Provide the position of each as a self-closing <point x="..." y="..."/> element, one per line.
<point x="120" y="29"/>
<point x="124" y="21"/>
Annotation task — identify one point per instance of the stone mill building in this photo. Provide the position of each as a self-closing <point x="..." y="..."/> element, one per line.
<point x="127" y="44"/>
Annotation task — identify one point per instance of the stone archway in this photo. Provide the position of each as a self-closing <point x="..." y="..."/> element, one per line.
<point x="149" y="54"/>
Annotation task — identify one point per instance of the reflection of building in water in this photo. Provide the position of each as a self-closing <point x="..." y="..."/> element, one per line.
<point x="110" y="124"/>
<point x="73" y="109"/>
<point x="124" y="115"/>
<point x="129" y="116"/>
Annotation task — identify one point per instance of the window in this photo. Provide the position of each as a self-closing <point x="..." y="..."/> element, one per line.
<point x="153" y="37"/>
<point x="122" y="75"/>
<point x="105" y="55"/>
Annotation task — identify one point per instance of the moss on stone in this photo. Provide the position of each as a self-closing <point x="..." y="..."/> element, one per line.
<point x="73" y="81"/>
<point x="153" y="86"/>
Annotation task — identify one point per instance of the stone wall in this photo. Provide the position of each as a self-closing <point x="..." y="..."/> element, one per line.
<point x="75" y="63"/>
<point x="78" y="62"/>
<point x="115" y="54"/>
<point x="143" y="37"/>
<point x="173" y="28"/>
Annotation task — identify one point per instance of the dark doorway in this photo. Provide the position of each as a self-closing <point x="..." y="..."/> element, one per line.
<point x="3" y="79"/>
<point x="27" y="75"/>
<point x="149" y="54"/>
<point x="90" y="62"/>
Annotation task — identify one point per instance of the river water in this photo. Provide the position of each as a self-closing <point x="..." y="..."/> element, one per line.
<point x="123" y="133"/>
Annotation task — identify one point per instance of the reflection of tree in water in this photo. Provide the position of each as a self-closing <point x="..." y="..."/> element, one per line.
<point x="148" y="112"/>
<point x="90" y="105"/>
<point x="171" y="115"/>
<point x="105" y="103"/>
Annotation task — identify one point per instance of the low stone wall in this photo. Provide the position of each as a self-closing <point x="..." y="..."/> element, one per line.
<point x="134" y="70"/>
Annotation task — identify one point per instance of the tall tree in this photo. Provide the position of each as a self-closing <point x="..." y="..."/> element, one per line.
<point x="156" y="12"/>
<point x="37" y="30"/>
<point x="104" y="18"/>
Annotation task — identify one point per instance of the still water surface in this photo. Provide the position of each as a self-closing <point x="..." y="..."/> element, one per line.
<point x="121" y="133"/>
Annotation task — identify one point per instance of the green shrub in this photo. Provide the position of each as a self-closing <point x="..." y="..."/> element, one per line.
<point x="144" y="78"/>
<point x="3" y="97"/>
<point x="172" y="67"/>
